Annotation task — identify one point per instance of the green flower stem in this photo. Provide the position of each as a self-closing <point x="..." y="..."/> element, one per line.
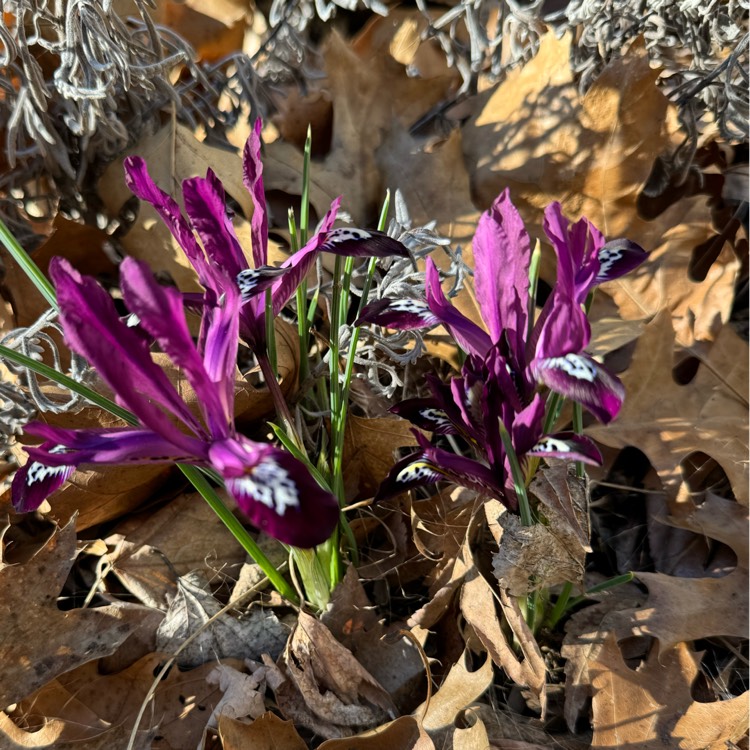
<point x="561" y="605"/>
<point x="314" y="576"/>
<point x="303" y="328"/>
<point x="282" y="408"/>
<point x="519" y="481"/>
<point x="578" y="429"/>
<point x="191" y="472"/>
<point x="568" y="604"/>
<point x="238" y="531"/>
<point x="536" y="256"/>
<point x="41" y="282"/>
<point x="271" y="334"/>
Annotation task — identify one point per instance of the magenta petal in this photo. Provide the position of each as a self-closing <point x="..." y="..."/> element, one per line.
<point x="299" y="264"/>
<point x="580" y="378"/>
<point x="617" y="258"/>
<point x="362" y="243"/>
<point x="469" y="336"/>
<point x="252" y="174"/>
<point x="432" y="465"/>
<point x="36" y="481"/>
<point x="140" y="183"/>
<point x="161" y="313"/>
<point x="427" y="414"/>
<point x="401" y="314"/>
<point x="121" y="357"/>
<point x="113" y="445"/>
<point x="502" y="255"/>
<point x="205" y="203"/>
<point x="569" y="446"/>
<point x="253" y="281"/>
<point x="276" y="492"/>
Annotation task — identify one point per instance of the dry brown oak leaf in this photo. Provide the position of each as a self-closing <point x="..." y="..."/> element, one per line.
<point x="39" y="641"/>
<point x="652" y="707"/>
<point x="669" y="422"/>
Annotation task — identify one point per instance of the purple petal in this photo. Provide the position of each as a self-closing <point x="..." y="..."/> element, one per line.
<point x="617" y="258"/>
<point x="161" y="313"/>
<point x="113" y="445"/>
<point x="580" y="378"/>
<point x="276" y="492"/>
<point x="432" y="465"/>
<point x="469" y="336"/>
<point x="565" y="328"/>
<point x="34" y="482"/>
<point x="427" y="414"/>
<point x="252" y="173"/>
<point x="527" y="426"/>
<point x="577" y="246"/>
<point x="205" y="203"/>
<point x="502" y="255"/>
<point x="120" y="356"/>
<point x="362" y="243"/>
<point x="567" y="445"/>
<point x="253" y="281"/>
<point x="401" y="314"/>
<point x="299" y="264"/>
<point x="140" y="183"/>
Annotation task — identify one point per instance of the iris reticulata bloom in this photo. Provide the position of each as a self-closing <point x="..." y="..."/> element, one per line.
<point x="509" y="357"/>
<point x="274" y="490"/>
<point x="208" y="218"/>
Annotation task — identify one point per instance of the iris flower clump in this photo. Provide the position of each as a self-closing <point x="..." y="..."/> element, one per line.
<point x="274" y="489"/>
<point x="495" y="404"/>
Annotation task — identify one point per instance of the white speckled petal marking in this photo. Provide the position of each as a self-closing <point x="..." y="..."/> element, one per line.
<point x="437" y="417"/>
<point x="551" y="445"/>
<point x="411" y="306"/>
<point x="269" y="484"/>
<point x="608" y="257"/>
<point x="419" y="471"/>
<point x="573" y="365"/>
<point x="38" y="472"/>
<point x="346" y="234"/>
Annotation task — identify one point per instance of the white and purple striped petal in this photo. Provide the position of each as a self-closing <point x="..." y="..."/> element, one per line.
<point x="401" y="314"/>
<point x="568" y="446"/>
<point x="582" y="379"/>
<point x="618" y="257"/>
<point x="34" y="482"/>
<point x="276" y="492"/>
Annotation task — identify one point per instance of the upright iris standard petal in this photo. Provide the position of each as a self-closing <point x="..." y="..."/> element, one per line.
<point x="252" y="176"/>
<point x="205" y="203"/>
<point x="121" y="357"/>
<point x="276" y="492"/>
<point x="140" y="183"/>
<point x="502" y="254"/>
<point x="160" y="310"/>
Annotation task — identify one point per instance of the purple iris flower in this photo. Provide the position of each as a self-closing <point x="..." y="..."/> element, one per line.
<point x="272" y="488"/>
<point x="497" y="389"/>
<point x="472" y="406"/>
<point x="552" y="350"/>
<point x="209" y="219"/>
